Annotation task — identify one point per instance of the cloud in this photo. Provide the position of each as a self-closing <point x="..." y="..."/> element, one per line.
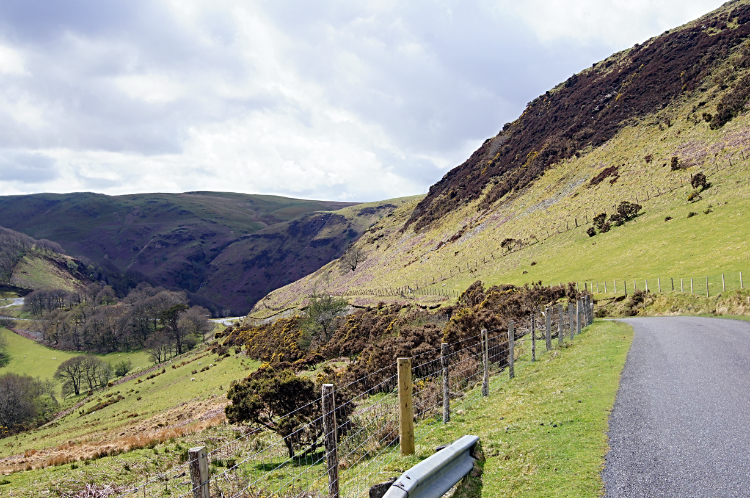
<point x="27" y="168"/>
<point x="332" y="99"/>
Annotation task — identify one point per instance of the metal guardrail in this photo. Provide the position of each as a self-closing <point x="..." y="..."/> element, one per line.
<point x="433" y="477"/>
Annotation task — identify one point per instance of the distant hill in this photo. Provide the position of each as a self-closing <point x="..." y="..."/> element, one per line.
<point x="637" y="127"/>
<point x="207" y="243"/>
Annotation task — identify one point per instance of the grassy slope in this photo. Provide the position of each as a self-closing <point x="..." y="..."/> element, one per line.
<point x="706" y="244"/>
<point x="37" y="271"/>
<point x="31" y="358"/>
<point x="150" y="406"/>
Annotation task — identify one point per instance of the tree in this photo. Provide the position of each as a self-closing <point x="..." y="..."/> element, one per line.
<point x="71" y="373"/>
<point x="194" y="322"/>
<point x="96" y="372"/>
<point x="279" y="401"/>
<point x="169" y="319"/>
<point x="321" y="315"/>
<point x="159" y="347"/>
<point x="352" y="258"/>
<point x="24" y="399"/>
<point x="123" y="367"/>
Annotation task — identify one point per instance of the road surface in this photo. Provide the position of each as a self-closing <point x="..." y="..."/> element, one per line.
<point x="680" y="426"/>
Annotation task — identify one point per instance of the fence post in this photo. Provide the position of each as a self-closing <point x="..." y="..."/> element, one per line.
<point x="486" y="361"/>
<point x="572" y="324"/>
<point x="406" y="408"/>
<point x="560" y="332"/>
<point x="723" y="284"/>
<point x="444" y="362"/>
<point x="682" y="286"/>
<point x="740" y="280"/>
<point x="605" y="286"/>
<point x="691" y="285"/>
<point x="329" y="437"/>
<point x="708" y="294"/>
<point x="658" y="280"/>
<point x="578" y="315"/>
<point x="615" y="287"/>
<point x="533" y="334"/>
<point x="511" y="343"/>
<point x="548" y="337"/>
<point x="672" y="280"/>
<point x="625" y="285"/>
<point x="199" y="471"/>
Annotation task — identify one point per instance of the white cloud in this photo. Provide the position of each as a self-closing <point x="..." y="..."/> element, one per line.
<point x="11" y="61"/>
<point x="332" y="99"/>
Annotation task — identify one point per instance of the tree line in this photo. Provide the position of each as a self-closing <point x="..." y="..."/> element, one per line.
<point x="93" y="319"/>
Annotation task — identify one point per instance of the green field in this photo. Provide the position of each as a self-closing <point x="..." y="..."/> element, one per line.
<point x="31" y="358"/>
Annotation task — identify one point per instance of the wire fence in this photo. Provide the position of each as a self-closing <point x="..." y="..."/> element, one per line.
<point x="705" y="285"/>
<point x="293" y="458"/>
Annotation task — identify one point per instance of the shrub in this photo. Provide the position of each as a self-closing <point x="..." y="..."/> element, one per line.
<point x="674" y="164"/>
<point x="591" y="231"/>
<point x="599" y="220"/>
<point x="605" y="227"/>
<point x="122" y="368"/>
<point x="691" y="214"/>
<point x="667" y="218"/>
<point x="694" y="196"/>
<point x="699" y="180"/>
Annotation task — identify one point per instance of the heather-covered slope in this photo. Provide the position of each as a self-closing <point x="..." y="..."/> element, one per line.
<point x="591" y="107"/>
<point x="636" y="127"/>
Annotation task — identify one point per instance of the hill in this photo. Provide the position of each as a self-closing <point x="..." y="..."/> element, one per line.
<point x="636" y="127"/>
<point x="191" y="241"/>
<point x="28" y="264"/>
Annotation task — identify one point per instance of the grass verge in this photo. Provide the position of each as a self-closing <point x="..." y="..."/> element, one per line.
<point x="544" y="432"/>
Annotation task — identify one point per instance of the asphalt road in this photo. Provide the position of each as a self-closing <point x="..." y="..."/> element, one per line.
<point x="680" y="426"/>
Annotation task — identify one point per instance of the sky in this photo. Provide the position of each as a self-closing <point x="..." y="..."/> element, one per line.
<point x="332" y="99"/>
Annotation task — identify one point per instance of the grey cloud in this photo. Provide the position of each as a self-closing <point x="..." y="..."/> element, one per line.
<point x="28" y="168"/>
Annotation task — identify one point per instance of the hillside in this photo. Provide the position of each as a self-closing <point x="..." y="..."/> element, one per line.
<point x="28" y="264"/>
<point x="635" y="127"/>
<point x="195" y="241"/>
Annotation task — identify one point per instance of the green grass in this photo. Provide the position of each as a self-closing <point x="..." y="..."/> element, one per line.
<point x="31" y="358"/>
<point x="544" y="432"/>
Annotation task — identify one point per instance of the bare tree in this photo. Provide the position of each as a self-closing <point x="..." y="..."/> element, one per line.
<point x="71" y="373"/>
<point x="352" y="258"/>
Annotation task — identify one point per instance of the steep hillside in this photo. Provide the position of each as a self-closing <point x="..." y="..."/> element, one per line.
<point x="28" y="264"/>
<point x="637" y="127"/>
<point x="168" y="239"/>
<point x="256" y="264"/>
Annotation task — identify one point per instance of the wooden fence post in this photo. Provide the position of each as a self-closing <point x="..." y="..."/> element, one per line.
<point x="723" y="284"/>
<point x="444" y="362"/>
<point x="486" y="361"/>
<point x="646" y="280"/>
<point x="691" y="285"/>
<point x="708" y="294"/>
<point x="560" y="332"/>
<point x="672" y="280"/>
<point x="658" y="281"/>
<point x="615" y="287"/>
<point x="533" y="334"/>
<point x="199" y="471"/>
<point x="682" y="286"/>
<point x="578" y="316"/>
<point x="548" y="336"/>
<point x="406" y="407"/>
<point x="571" y="321"/>
<point x="329" y="437"/>
<point x="605" y="286"/>
<point x="740" y="280"/>
<point x="511" y="343"/>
